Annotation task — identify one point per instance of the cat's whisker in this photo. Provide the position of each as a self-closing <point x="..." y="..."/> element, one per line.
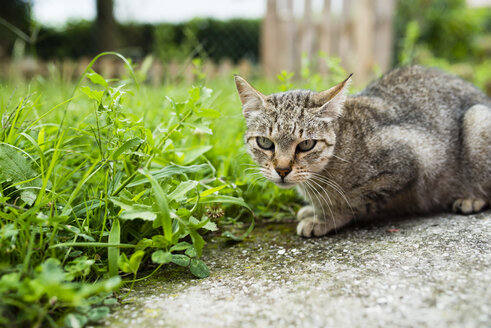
<point x="323" y="179"/>
<point x="330" y="178"/>
<point x="252" y="171"/>
<point x="344" y="160"/>
<point x="341" y="192"/>
<point x="254" y="184"/>
<point x="323" y="189"/>
<point x="327" y="203"/>
<point x="256" y="174"/>
<point x="267" y="175"/>
<point x="334" y="186"/>
<point x="315" y="193"/>
<point x="343" y="197"/>
<point x="320" y="179"/>
<point x="305" y="183"/>
<point x="331" y="183"/>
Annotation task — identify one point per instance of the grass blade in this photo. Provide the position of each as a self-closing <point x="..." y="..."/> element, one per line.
<point x="126" y="146"/>
<point x="94" y="244"/>
<point x="113" y="252"/>
<point x="164" y="214"/>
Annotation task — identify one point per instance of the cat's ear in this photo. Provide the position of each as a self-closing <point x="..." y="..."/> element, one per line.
<point x="252" y="100"/>
<point x="331" y="101"/>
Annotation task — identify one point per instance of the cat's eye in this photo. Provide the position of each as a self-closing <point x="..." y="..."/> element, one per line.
<point x="265" y="143"/>
<point x="306" y="145"/>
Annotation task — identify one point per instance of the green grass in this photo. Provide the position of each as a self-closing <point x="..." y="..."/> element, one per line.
<point x="105" y="182"/>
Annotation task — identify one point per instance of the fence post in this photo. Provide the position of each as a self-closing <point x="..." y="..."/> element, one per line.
<point x="384" y="38"/>
<point x="289" y="37"/>
<point x="345" y="34"/>
<point x="307" y="31"/>
<point x="364" y="40"/>
<point x="359" y="32"/>
<point x="269" y="37"/>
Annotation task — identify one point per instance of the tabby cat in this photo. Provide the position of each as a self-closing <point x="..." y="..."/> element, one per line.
<point x="417" y="140"/>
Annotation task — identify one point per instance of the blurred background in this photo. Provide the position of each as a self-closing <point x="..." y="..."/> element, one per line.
<point x="255" y="38"/>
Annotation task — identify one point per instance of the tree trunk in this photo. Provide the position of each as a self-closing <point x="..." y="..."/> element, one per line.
<point x="106" y="29"/>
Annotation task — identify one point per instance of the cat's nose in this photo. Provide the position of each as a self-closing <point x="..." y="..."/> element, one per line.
<point x="283" y="172"/>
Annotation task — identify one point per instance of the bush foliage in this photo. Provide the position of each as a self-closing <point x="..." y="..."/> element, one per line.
<point x="233" y="39"/>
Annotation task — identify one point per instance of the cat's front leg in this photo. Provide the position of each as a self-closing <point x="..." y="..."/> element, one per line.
<point x="305" y="212"/>
<point x="311" y="225"/>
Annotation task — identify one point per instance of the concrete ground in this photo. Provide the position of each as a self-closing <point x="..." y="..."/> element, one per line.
<point x="420" y="272"/>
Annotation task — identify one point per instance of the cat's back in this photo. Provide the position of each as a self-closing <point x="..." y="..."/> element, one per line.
<point x="415" y="95"/>
<point x="425" y="120"/>
<point x="423" y="86"/>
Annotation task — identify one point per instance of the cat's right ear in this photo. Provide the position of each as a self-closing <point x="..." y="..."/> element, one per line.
<point x="252" y="100"/>
<point x="332" y="100"/>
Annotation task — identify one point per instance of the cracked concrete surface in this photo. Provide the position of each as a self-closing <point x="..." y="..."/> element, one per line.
<point x="419" y="272"/>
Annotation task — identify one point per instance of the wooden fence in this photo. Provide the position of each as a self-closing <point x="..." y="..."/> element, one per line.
<point x="110" y="67"/>
<point x="359" y="32"/>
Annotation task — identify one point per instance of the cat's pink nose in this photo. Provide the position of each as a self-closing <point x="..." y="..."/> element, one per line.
<point x="283" y="172"/>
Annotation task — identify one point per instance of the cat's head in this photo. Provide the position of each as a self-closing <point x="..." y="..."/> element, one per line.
<point x="291" y="135"/>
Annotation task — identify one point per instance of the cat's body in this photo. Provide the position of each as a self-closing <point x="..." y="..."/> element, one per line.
<point x="416" y="141"/>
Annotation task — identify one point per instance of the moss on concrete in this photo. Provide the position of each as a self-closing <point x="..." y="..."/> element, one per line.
<point x="425" y="272"/>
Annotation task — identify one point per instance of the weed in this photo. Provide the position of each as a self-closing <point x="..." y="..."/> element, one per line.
<point x="93" y="196"/>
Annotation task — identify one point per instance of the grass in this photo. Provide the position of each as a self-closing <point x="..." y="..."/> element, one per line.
<point x="105" y="179"/>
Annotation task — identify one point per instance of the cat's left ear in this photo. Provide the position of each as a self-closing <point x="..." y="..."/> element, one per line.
<point x="331" y="101"/>
<point x="252" y="100"/>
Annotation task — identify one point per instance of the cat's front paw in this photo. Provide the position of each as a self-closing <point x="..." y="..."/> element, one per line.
<point x="312" y="227"/>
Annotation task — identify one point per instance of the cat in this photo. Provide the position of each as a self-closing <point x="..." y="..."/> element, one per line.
<point x="416" y="141"/>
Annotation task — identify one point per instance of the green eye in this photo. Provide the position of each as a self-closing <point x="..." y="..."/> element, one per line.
<point x="265" y="143"/>
<point x="306" y="145"/>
